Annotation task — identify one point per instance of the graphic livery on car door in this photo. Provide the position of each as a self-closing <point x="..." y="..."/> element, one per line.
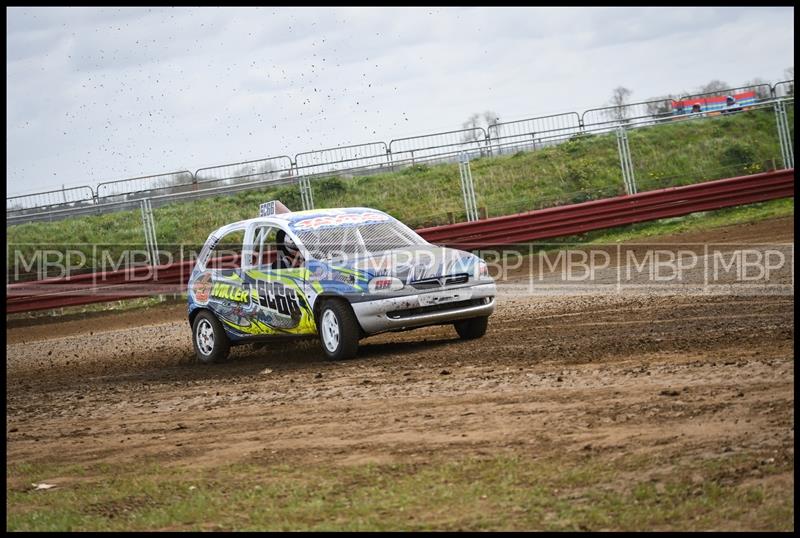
<point x="255" y="302"/>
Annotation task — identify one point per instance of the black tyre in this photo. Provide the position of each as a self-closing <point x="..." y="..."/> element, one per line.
<point x="469" y="329"/>
<point x="211" y="344"/>
<point x="338" y="330"/>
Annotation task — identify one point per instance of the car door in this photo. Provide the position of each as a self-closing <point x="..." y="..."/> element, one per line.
<point x="278" y="299"/>
<point x="217" y="284"/>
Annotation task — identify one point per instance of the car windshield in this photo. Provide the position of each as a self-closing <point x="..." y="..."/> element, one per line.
<point x="358" y="240"/>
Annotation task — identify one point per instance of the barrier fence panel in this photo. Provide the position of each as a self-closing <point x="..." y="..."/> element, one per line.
<point x="439" y="147"/>
<point x="532" y="134"/>
<point x="56" y="199"/>
<point x="434" y="184"/>
<point x="357" y="159"/>
<point x="581" y="167"/>
<point x="783" y="89"/>
<point x="426" y="195"/>
<point x="652" y="112"/>
<point x="257" y="172"/>
<point x="144" y="186"/>
<point x="703" y="147"/>
<point x="598" y="120"/>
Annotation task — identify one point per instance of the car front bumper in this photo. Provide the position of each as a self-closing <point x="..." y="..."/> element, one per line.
<point x="429" y="308"/>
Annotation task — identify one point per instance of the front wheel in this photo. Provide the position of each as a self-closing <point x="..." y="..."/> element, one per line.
<point x="338" y="330"/>
<point x="469" y="329"/>
<point x="210" y="341"/>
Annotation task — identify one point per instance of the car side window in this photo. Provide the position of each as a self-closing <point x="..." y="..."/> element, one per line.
<point x="289" y="255"/>
<point x="227" y="253"/>
<point x="264" y="251"/>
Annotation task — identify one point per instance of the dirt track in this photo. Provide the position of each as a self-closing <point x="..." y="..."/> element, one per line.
<point x="669" y="375"/>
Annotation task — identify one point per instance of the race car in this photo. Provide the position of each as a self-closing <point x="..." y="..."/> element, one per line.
<point x="339" y="274"/>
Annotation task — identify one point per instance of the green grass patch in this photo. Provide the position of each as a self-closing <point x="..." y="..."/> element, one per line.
<point x="501" y="493"/>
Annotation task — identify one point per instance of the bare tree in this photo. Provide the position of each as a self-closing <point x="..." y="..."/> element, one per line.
<point x="619" y="100"/>
<point x="660" y="106"/>
<point x="176" y="182"/>
<point x="251" y="172"/>
<point x="760" y="86"/>
<point x="489" y="118"/>
<point x="472" y="122"/>
<point x="789" y="74"/>
<point x="715" y="86"/>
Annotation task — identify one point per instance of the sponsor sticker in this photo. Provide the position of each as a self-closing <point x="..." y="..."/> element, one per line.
<point x="231" y="292"/>
<point x="202" y="288"/>
<point x="338" y="220"/>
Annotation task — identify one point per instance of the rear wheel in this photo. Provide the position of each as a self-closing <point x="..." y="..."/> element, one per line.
<point x="469" y="329"/>
<point x="338" y="330"/>
<point x="210" y="341"/>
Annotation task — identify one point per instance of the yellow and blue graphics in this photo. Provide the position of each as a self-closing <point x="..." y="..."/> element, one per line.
<point x="264" y="301"/>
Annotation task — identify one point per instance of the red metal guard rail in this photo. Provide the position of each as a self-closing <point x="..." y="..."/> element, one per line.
<point x="139" y="281"/>
<point x="507" y="230"/>
<point x="610" y="212"/>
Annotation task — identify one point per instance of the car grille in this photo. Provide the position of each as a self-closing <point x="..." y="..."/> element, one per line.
<point x="408" y="312"/>
<point x="439" y="281"/>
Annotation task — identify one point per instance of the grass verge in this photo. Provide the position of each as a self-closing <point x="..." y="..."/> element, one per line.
<point x="498" y="493"/>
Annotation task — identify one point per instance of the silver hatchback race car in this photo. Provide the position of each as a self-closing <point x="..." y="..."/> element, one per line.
<point x="341" y="274"/>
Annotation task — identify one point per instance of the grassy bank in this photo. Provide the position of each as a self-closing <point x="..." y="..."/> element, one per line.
<point x="498" y="493"/>
<point x="583" y="168"/>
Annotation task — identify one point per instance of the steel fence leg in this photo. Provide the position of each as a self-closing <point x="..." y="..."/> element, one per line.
<point x="784" y="135"/>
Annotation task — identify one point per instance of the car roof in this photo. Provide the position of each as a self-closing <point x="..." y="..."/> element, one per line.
<point x="296" y="216"/>
<point x="312" y="213"/>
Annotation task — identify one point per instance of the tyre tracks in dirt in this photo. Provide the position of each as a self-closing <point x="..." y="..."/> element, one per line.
<point x="607" y="375"/>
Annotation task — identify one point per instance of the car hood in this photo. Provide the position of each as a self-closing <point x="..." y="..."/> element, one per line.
<point x="411" y="264"/>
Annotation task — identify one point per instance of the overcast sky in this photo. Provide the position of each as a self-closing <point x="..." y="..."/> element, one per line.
<point x="99" y="94"/>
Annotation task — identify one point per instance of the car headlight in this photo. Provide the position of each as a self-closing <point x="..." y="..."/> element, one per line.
<point x="481" y="270"/>
<point x="382" y="284"/>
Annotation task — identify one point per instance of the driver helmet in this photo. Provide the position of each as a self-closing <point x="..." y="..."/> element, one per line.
<point x="730" y="100"/>
<point x="289" y="245"/>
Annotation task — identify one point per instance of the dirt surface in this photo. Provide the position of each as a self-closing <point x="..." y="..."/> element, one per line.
<point x="673" y="375"/>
